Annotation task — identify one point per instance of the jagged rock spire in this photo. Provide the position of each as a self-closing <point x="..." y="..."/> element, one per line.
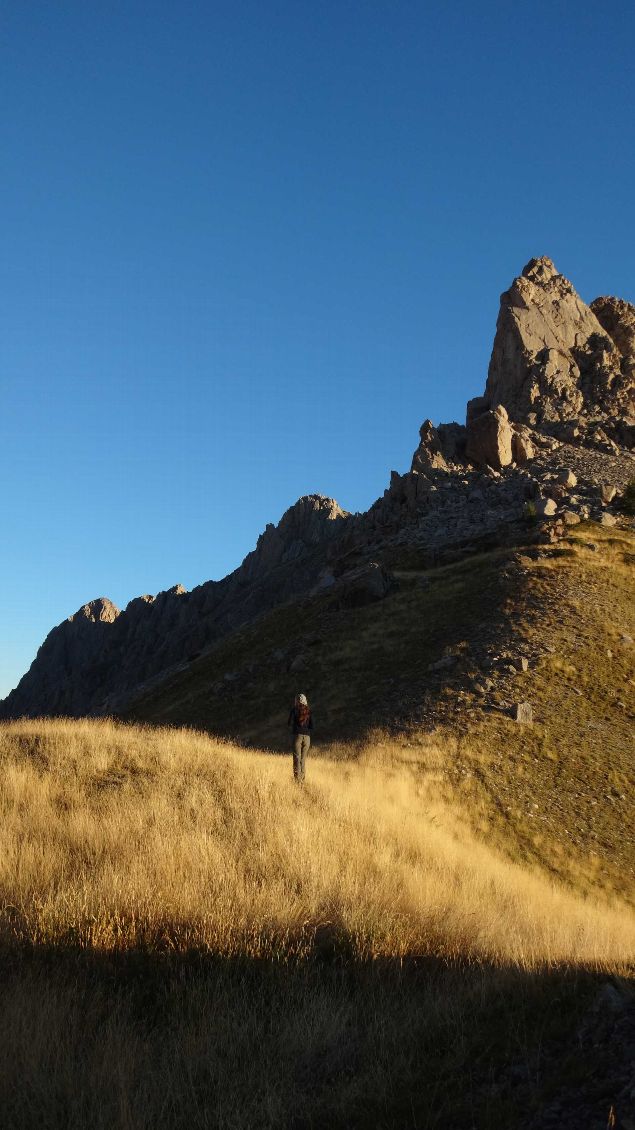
<point x="552" y="358"/>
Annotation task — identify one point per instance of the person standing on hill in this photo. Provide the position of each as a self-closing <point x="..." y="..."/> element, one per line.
<point x="301" y="725"/>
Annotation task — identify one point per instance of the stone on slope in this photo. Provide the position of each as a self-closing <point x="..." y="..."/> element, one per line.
<point x="489" y="439"/>
<point x="364" y="585"/>
<point x="522" y="447"/>
<point x="522" y="712"/>
<point x="566" y="478"/>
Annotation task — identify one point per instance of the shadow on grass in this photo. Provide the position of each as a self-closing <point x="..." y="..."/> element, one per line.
<point x="142" y="1039"/>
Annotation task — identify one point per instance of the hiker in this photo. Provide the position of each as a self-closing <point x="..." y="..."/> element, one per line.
<point x="301" y="724"/>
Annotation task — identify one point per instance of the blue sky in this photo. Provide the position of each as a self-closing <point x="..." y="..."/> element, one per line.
<point x="247" y="247"/>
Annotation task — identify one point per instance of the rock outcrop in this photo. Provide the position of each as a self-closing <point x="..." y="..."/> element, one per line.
<point x="489" y="439"/>
<point x="364" y="585"/>
<point x="548" y="443"/>
<point x="523" y="448"/>
<point x="618" y="319"/>
<point x="52" y="684"/>
<point x="554" y="359"/>
<point x="311" y="521"/>
<point x="429" y="454"/>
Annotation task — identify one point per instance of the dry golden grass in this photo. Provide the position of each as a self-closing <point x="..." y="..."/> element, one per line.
<point x="116" y="837"/>
<point x="189" y="940"/>
<point x="555" y="796"/>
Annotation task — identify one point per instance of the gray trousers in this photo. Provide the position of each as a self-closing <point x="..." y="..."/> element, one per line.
<point x="301" y="743"/>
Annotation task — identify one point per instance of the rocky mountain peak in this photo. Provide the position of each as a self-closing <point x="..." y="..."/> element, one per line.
<point x="313" y="519"/>
<point x="139" y="603"/>
<point x="554" y="359"/>
<point x="558" y="367"/>
<point x="541" y="270"/>
<point x="102" y="610"/>
<point x="308" y="515"/>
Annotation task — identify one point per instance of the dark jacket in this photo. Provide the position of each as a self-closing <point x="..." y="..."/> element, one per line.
<point x="294" y="723"/>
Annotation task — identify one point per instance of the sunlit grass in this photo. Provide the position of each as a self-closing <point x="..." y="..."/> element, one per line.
<point x="115" y="837"/>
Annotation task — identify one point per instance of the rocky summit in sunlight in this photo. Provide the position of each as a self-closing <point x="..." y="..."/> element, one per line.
<point x="556" y="360"/>
<point x="548" y="445"/>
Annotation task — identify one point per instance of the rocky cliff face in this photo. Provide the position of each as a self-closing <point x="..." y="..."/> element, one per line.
<point x="311" y="522"/>
<point x="555" y="359"/>
<point x="550" y="439"/>
<point x="618" y="319"/>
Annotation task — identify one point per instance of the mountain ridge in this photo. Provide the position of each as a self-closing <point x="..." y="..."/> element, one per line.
<point x="558" y="404"/>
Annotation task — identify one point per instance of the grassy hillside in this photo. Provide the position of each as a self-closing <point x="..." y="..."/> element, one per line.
<point x="123" y="837"/>
<point x="557" y="793"/>
<point x="438" y="930"/>
<point x="194" y="941"/>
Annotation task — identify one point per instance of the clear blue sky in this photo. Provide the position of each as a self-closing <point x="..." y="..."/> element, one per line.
<point x="247" y="247"/>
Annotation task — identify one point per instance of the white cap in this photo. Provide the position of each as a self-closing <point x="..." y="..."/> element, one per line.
<point x="302" y="699"/>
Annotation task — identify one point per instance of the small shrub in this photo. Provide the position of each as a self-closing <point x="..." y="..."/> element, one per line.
<point x="530" y="512"/>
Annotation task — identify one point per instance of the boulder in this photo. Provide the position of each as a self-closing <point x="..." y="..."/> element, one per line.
<point x="566" y="478"/>
<point x="522" y="712"/>
<point x="568" y="432"/>
<point x="489" y="439"/>
<point x="624" y="431"/>
<point x="546" y="507"/>
<point x="365" y="585"/>
<point x="522" y="447"/>
<point x="608" y="493"/>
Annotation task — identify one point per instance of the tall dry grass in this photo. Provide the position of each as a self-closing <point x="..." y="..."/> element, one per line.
<point x="116" y="837"/>
<point x="156" y="886"/>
